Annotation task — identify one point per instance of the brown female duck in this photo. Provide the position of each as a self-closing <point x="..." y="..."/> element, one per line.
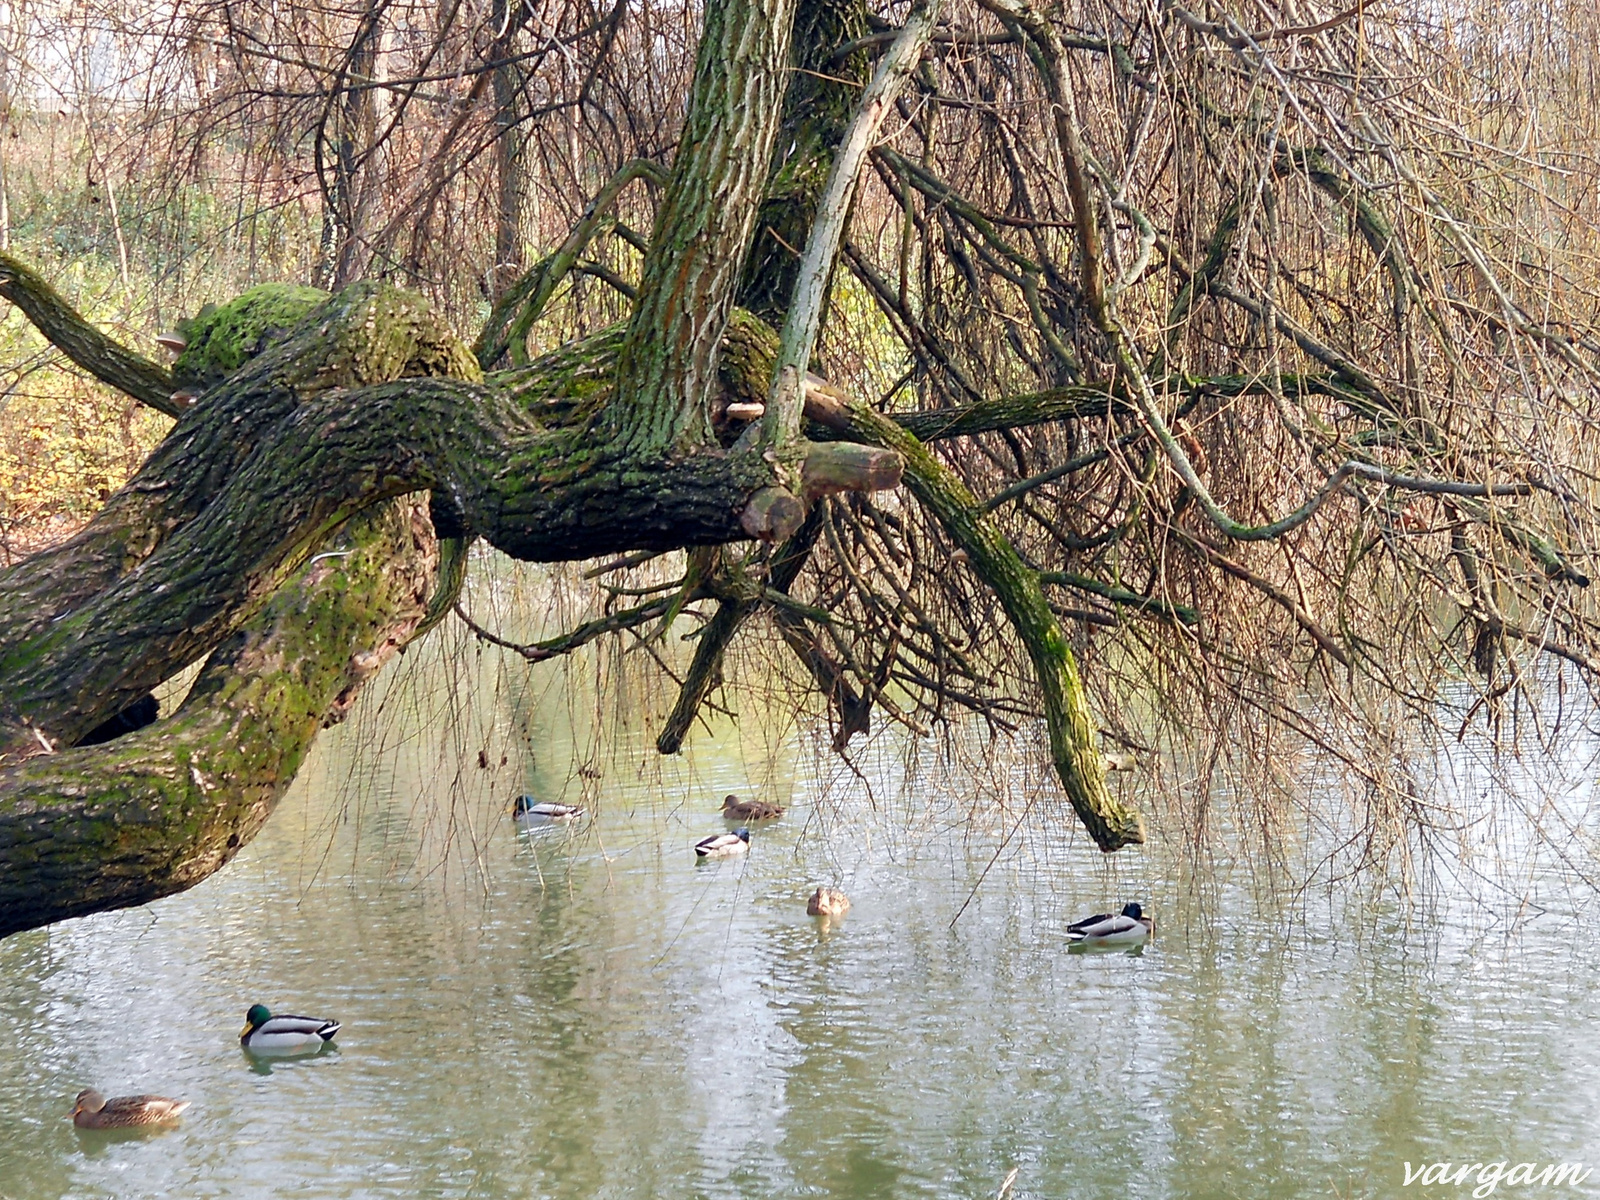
<point x="735" y="809"/>
<point x="828" y="902"/>
<point x="94" y="1111"/>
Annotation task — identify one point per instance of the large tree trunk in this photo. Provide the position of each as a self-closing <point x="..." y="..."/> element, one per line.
<point x="157" y="811"/>
<point x="703" y="230"/>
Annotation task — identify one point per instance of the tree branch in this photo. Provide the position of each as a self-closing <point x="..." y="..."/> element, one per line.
<point x="514" y="313"/>
<point x="702" y="233"/>
<point x="155" y="812"/>
<point x="1068" y="718"/>
<point x="108" y="361"/>
<point x="781" y="424"/>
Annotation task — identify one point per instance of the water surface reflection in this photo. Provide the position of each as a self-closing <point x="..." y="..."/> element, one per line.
<point x="580" y="1012"/>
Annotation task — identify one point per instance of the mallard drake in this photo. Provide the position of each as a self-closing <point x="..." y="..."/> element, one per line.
<point x="94" y="1111"/>
<point x="828" y="902"/>
<point x="1130" y="927"/>
<point x="735" y="809"/>
<point x="536" y="811"/>
<point x="721" y="845"/>
<point x="263" y="1031"/>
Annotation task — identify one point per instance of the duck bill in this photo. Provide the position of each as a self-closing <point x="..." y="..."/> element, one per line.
<point x="245" y="1032"/>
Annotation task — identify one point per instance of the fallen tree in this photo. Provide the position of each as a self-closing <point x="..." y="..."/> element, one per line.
<point x="1189" y="390"/>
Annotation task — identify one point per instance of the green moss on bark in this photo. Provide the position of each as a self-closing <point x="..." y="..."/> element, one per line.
<point x="157" y="811"/>
<point x="222" y="338"/>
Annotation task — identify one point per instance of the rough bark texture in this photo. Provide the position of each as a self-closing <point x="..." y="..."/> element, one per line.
<point x="209" y="529"/>
<point x="370" y="333"/>
<point x="254" y="477"/>
<point x="157" y="811"/>
<point x="59" y="606"/>
<point x="221" y="339"/>
<point x="702" y="231"/>
<point x="817" y="108"/>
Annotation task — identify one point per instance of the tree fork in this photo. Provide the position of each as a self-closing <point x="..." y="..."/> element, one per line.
<point x="820" y="98"/>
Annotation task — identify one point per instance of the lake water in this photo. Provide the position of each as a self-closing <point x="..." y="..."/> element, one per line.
<point x="591" y="1013"/>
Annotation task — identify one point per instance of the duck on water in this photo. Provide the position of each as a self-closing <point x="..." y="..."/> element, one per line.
<point x="723" y="845"/>
<point x="543" y="812"/>
<point x="735" y="809"/>
<point x="92" y="1110"/>
<point x="1130" y="927"/>
<point x="265" y="1033"/>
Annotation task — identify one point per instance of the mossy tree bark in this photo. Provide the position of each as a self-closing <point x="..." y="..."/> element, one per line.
<point x="157" y="811"/>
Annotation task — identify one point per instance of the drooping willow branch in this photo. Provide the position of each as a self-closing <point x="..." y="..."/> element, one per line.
<point x="1067" y="716"/>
